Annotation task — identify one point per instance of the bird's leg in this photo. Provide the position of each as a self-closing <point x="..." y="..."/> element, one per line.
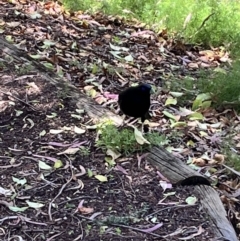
<point x="128" y="121"/>
<point x="123" y="121"/>
<point x="134" y="120"/>
<point x="142" y="128"/>
<point x="145" y="127"/>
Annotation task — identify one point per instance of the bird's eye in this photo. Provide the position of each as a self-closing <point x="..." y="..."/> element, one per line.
<point x="145" y="88"/>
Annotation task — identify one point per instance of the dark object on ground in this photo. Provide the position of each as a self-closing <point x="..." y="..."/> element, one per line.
<point x="145" y="128"/>
<point x="195" y="180"/>
<point x="135" y="101"/>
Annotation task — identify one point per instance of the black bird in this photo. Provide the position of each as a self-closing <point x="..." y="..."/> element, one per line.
<point x="135" y="101"/>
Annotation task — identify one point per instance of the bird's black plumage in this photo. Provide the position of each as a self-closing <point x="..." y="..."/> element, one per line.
<point x="135" y="101"/>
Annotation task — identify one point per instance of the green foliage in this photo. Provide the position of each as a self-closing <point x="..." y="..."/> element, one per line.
<point x="207" y="22"/>
<point x="224" y="87"/>
<point x="188" y="86"/>
<point x="84" y="151"/>
<point x="233" y="160"/>
<point x="124" y="141"/>
<point x="24" y="69"/>
<point x="232" y="157"/>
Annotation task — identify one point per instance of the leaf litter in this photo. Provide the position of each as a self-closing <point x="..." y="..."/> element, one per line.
<point x="39" y="124"/>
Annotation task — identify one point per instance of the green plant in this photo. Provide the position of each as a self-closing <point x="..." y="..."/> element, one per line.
<point x="84" y="151"/>
<point x="209" y="22"/>
<point x="188" y="86"/>
<point x="222" y="84"/>
<point x="24" y="69"/>
<point x="233" y="160"/>
<point x="224" y="87"/>
<point x="124" y="141"/>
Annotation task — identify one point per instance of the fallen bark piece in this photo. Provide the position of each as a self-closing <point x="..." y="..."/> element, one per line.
<point x="174" y="169"/>
<point x="212" y="204"/>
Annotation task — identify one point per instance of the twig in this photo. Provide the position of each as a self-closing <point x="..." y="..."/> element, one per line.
<point x="11" y="95"/>
<point x="203" y="23"/>
<point x="54" y="236"/>
<point x="136" y="229"/>
<point x="171" y="207"/>
<point x="77" y="198"/>
<point x="8" y="218"/>
<point x="59" y="193"/>
<point x="231" y="169"/>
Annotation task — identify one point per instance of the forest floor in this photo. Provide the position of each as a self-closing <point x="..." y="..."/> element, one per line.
<point x="51" y="172"/>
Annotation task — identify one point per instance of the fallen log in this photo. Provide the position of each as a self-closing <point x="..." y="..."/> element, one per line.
<point x="82" y="101"/>
<point x="178" y="173"/>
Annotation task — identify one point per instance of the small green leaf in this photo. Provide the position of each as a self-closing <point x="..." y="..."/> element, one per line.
<point x="48" y="65"/>
<point x="196" y="104"/>
<point x="178" y="124"/>
<point x="34" y="205"/>
<point x="118" y="48"/>
<point x="58" y="164"/>
<point x="19" y="181"/>
<point x="176" y="94"/>
<point x="196" y="116"/>
<point x="116" y="54"/>
<point x="166" y="113"/>
<point x="110" y="161"/>
<point x="42" y="133"/>
<point x="56" y="131"/>
<point x="79" y="130"/>
<point x="76" y="116"/>
<point x="17" y="209"/>
<point x="101" y="178"/>
<point x="139" y="137"/>
<point x="191" y="200"/>
<point x="113" y="154"/>
<point x="90" y="173"/>
<point x="171" y="101"/>
<point x="206" y="104"/>
<point x="203" y="97"/>
<point x="129" y="58"/>
<point x="44" y="166"/>
<point x="31" y="122"/>
<point x="190" y="143"/>
<point x="53" y="115"/>
<point x="203" y="133"/>
<point x="35" y="56"/>
<point x="18" y="112"/>
<point x="9" y="38"/>
<point x="48" y="42"/>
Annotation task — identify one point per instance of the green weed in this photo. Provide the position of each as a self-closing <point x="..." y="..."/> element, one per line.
<point x="84" y="151"/>
<point x="222" y="84"/>
<point x="232" y="157"/>
<point x="224" y="87"/>
<point x="124" y="141"/>
<point x="209" y="22"/>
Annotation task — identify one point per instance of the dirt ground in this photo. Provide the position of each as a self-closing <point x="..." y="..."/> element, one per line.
<point x="38" y="199"/>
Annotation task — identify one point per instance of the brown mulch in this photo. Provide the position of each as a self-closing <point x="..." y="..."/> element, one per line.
<point x="77" y="206"/>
